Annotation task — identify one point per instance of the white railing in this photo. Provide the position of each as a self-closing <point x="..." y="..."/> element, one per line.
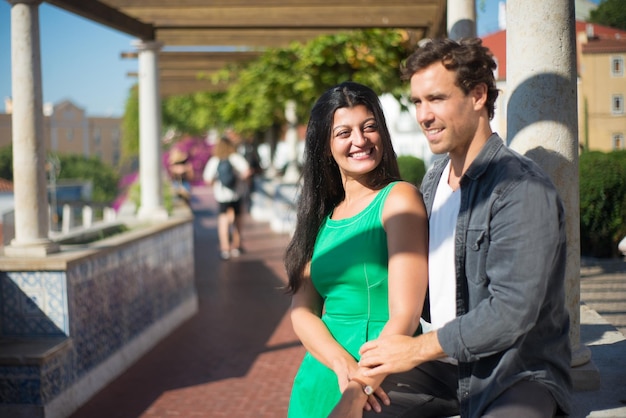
<point x="72" y="221"/>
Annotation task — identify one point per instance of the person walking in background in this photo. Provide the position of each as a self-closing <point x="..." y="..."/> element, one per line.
<point x="181" y="173"/>
<point x="226" y="171"/>
<point x="248" y="149"/>
<point x="357" y="262"/>
<point x="497" y="254"/>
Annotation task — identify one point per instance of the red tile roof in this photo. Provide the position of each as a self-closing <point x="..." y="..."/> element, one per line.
<point x="6" y="185"/>
<point x="496" y="42"/>
<point x="604" y="46"/>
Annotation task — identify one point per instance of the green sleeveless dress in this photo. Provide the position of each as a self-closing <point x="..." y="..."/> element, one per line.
<point x="349" y="270"/>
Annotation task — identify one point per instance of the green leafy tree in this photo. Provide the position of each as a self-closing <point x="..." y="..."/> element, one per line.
<point x="6" y="162"/>
<point x="130" y="125"/>
<point x="610" y="13"/>
<point x="257" y="92"/>
<point x="193" y="114"/>
<point x="103" y="177"/>
<point x="602" y="202"/>
<point x="371" y="57"/>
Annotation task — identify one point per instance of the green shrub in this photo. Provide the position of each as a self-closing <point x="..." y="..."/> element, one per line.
<point x="412" y="169"/>
<point x="134" y="196"/>
<point x="103" y="177"/>
<point x="602" y="202"/>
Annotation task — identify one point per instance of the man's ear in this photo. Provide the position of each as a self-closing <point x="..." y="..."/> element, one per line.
<point x="479" y="93"/>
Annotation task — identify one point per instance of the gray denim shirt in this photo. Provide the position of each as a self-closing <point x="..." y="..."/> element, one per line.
<point x="512" y="323"/>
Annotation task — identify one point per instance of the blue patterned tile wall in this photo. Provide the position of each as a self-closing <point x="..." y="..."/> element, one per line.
<point x="102" y="302"/>
<point x="34" y="304"/>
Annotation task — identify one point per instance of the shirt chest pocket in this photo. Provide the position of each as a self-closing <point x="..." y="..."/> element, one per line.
<point x="477" y="246"/>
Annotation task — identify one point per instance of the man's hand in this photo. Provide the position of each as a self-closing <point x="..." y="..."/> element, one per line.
<point x="399" y="353"/>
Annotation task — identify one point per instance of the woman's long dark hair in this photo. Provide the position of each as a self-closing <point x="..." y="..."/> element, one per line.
<point x="322" y="187"/>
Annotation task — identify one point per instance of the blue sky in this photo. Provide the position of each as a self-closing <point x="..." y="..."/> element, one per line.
<point x="80" y="59"/>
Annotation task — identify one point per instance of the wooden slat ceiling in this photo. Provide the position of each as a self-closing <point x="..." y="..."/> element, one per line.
<point x="246" y="25"/>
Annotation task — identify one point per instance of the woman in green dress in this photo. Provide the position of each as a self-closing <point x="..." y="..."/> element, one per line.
<point x="357" y="262"/>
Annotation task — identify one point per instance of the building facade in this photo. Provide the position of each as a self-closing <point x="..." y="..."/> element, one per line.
<point x="68" y="130"/>
<point x="601" y="113"/>
<point x="600" y="56"/>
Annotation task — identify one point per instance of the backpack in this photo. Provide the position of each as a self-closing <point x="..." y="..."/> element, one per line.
<point x="226" y="174"/>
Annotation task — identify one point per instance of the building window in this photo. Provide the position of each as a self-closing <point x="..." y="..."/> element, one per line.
<point x="618" y="141"/>
<point x="617" y="104"/>
<point x="97" y="136"/>
<point x="70" y="134"/>
<point x="617" y="66"/>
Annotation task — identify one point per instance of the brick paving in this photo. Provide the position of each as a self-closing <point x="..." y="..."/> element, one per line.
<point x="236" y="358"/>
<point x="603" y="289"/>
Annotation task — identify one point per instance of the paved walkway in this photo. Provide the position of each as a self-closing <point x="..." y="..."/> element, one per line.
<point x="237" y="357"/>
<point x="603" y="289"/>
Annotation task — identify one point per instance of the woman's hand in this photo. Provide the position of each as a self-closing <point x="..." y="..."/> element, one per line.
<point x="368" y="384"/>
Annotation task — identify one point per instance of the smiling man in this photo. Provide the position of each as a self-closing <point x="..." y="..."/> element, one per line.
<point x="499" y="344"/>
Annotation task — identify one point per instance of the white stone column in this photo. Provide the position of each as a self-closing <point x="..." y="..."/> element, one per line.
<point x="461" y="17"/>
<point x="29" y="156"/>
<point x="542" y="119"/>
<point x="292" y="172"/>
<point x="150" y="171"/>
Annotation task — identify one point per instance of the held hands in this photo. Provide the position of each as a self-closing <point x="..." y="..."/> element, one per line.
<point x="374" y="396"/>
<point x="389" y="354"/>
<point x="348" y="374"/>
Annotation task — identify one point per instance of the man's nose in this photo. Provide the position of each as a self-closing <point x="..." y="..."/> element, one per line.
<point x="423" y="113"/>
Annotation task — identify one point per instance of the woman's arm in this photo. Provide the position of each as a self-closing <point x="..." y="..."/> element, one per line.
<point x="406" y="224"/>
<point x="306" y="308"/>
<point x="210" y="171"/>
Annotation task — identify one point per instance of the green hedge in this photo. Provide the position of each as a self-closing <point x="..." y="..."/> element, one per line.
<point x="412" y="169"/>
<point x="602" y="202"/>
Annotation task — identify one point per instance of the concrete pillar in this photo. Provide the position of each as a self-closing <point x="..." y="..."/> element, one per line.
<point x="68" y="219"/>
<point x="292" y="173"/>
<point x="29" y="156"/>
<point x="542" y="118"/>
<point x="461" y="15"/>
<point x="150" y="171"/>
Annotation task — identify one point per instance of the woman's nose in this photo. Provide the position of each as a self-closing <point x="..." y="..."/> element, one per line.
<point x="359" y="138"/>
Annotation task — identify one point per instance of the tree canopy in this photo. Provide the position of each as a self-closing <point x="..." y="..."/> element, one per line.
<point x="258" y="91"/>
<point x="104" y="178"/>
<point x="130" y="124"/>
<point x="610" y="13"/>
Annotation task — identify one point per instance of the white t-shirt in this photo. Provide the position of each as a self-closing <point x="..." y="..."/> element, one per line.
<point x="221" y="192"/>
<point x="441" y="264"/>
